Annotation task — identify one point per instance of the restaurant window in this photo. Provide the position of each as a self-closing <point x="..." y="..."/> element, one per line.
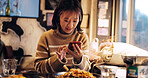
<point x="133" y="23"/>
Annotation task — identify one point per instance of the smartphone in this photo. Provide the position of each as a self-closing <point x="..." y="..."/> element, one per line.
<point x="74" y="42"/>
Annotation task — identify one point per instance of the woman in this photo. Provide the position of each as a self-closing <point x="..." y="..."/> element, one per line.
<point x="53" y="54"/>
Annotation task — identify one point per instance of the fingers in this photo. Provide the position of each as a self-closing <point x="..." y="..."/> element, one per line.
<point x="76" y="53"/>
<point x="67" y="50"/>
<point x="76" y="48"/>
<point x="61" y="48"/>
<point x="61" y="52"/>
<point x="58" y="53"/>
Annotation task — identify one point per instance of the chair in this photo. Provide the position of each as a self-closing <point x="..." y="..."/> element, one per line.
<point x="8" y="53"/>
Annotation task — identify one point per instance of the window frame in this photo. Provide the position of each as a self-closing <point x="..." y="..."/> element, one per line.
<point x="118" y="20"/>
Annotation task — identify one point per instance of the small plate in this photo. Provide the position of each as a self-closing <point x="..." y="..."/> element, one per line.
<point x="58" y="74"/>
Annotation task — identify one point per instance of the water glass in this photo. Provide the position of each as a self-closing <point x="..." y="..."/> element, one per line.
<point x="108" y="71"/>
<point x="9" y="66"/>
<point x="104" y="71"/>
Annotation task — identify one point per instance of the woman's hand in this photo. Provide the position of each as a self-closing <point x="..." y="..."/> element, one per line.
<point x="61" y="52"/>
<point x="77" y="53"/>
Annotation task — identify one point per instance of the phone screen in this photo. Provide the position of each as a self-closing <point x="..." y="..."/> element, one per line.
<point x="74" y="42"/>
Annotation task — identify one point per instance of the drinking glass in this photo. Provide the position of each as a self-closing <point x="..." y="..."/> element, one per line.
<point x="9" y="66"/>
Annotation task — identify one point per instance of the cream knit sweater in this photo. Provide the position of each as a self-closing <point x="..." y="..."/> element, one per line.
<point x="46" y="59"/>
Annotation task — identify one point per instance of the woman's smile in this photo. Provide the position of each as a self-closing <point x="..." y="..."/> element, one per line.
<point x="69" y="29"/>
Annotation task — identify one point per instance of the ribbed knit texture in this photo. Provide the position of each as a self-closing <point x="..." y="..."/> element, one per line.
<point x="47" y="61"/>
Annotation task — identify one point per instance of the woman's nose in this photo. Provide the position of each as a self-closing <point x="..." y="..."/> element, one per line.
<point x="70" y="24"/>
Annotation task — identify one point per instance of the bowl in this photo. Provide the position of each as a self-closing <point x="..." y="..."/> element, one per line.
<point x="129" y="59"/>
<point x="135" y="60"/>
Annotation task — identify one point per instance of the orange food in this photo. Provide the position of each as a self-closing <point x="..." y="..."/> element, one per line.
<point x="77" y="73"/>
<point x="15" y="76"/>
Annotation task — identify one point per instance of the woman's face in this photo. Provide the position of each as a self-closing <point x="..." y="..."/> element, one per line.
<point x="68" y="21"/>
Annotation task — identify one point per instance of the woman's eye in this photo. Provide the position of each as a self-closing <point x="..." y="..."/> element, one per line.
<point x="74" y="21"/>
<point x="66" y="20"/>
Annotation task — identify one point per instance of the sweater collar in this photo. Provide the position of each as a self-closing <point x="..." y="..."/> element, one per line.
<point x="58" y="33"/>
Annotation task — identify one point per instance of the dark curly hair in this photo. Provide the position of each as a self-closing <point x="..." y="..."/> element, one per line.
<point x="67" y="5"/>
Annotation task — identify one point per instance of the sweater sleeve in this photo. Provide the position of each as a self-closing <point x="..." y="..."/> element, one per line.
<point x="84" y="64"/>
<point x="43" y="62"/>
